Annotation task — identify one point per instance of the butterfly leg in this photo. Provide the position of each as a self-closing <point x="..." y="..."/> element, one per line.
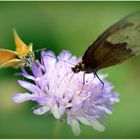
<point x="71" y="78"/>
<point x="66" y="74"/>
<point x="95" y="74"/>
<point x="83" y="83"/>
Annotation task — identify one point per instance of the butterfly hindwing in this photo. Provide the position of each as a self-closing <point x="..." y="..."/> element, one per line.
<point x="115" y="45"/>
<point x="6" y="55"/>
<point x="11" y="63"/>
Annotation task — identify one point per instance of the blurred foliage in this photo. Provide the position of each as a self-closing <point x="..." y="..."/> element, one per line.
<point x="72" y="26"/>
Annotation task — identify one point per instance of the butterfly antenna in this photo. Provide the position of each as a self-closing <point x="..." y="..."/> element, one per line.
<point x="60" y="59"/>
<point x="43" y="49"/>
<point x="53" y="56"/>
<point x="66" y="74"/>
<point x="66" y="62"/>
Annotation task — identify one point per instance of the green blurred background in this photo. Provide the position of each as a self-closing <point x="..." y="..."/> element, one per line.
<point x="72" y="26"/>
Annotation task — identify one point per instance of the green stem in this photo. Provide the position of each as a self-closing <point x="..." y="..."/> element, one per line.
<point x="56" y="132"/>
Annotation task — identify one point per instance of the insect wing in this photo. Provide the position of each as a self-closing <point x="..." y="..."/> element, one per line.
<point x="11" y="63"/>
<point x="120" y="42"/>
<point x="21" y="48"/>
<point x="6" y="55"/>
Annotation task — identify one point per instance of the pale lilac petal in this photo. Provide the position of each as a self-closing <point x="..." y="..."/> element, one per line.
<point x="84" y="120"/>
<point x="104" y="109"/>
<point x="114" y="98"/>
<point x="41" y="110"/>
<point x="61" y="110"/>
<point x="55" y="111"/>
<point x="75" y="127"/>
<point x="37" y="72"/>
<point x="49" y="59"/>
<point x="96" y="125"/>
<point x="26" y="75"/>
<point x="31" y="87"/>
<point x="42" y="100"/>
<point x="64" y="55"/>
<point x="22" y="97"/>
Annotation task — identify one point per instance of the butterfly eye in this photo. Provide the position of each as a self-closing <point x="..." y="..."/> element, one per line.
<point x="26" y="57"/>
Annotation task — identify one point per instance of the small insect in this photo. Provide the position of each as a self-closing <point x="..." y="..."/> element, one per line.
<point x="117" y="44"/>
<point x="22" y="57"/>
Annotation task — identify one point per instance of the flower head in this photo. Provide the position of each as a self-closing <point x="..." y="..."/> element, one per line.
<point x="61" y="92"/>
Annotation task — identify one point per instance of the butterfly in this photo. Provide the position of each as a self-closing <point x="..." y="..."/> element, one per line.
<point x="22" y="57"/>
<point x="118" y="43"/>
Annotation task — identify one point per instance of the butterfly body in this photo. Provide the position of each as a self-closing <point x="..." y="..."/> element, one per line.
<point x="117" y="44"/>
<point x="28" y="59"/>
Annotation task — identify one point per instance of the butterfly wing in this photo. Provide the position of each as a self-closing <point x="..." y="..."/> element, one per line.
<point x="21" y="48"/>
<point x="11" y="63"/>
<point x="118" y="43"/>
<point x="6" y="55"/>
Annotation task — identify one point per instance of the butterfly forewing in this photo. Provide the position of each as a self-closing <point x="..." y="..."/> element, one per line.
<point x="129" y="32"/>
<point x="21" y="48"/>
<point x="120" y="42"/>
<point x="25" y="52"/>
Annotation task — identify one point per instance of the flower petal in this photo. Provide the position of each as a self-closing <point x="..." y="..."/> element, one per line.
<point x="26" y="75"/>
<point x="41" y="110"/>
<point x="114" y="98"/>
<point x="31" y="87"/>
<point x="41" y="100"/>
<point x="36" y="70"/>
<point x="49" y="59"/>
<point x="83" y="120"/>
<point x="61" y="110"/>
<point x="55" y="111"/>
<point x="104" y="109"/>
<point x="22" y="97"/>
<point x="96" y="125"/>
<point x="64" y="55"/>
<point x="75" y="127"/>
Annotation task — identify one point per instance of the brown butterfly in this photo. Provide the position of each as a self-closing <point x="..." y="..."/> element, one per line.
<point x="117" y="44"/>
<point x="23" y="56"/>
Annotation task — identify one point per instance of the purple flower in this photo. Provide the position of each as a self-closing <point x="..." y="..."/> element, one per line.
<point x="61" y="92"/>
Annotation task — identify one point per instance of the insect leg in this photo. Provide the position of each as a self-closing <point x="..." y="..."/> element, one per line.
<point x="71" y="78"/>
<point x="83" y="78"/>
<point x="95" y="74"/>
<point x="82" y="83"/>
<point x="66" y="74"/>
